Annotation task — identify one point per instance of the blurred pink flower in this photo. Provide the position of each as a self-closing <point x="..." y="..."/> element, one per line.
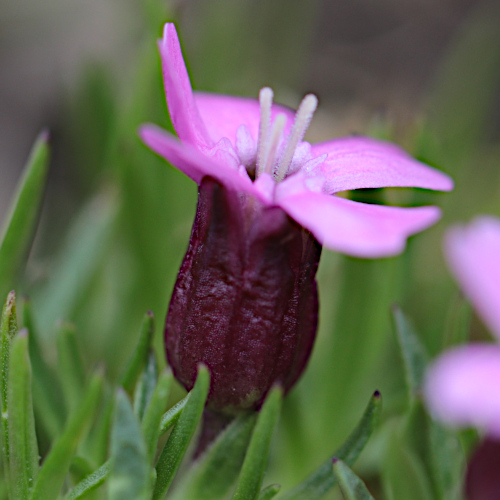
<point x="256" y="147"/>
<point x="463" y="386"/>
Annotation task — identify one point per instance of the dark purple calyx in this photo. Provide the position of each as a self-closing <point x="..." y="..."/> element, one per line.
<point x="482" y="479"/>
<point x="245" y="302"/>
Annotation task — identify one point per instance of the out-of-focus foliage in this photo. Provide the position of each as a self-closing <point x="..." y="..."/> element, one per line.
<point x="116" y="255"/>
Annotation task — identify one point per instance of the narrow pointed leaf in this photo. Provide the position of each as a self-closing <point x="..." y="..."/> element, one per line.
<point x="146" y="385"/>
<point x="413" y="353"/>
<point x="57" y="463"/>
<point x="140" y="355"/>
<point x="22" y="438"/>
<point x="129" y="478"/>
<point x="154" y="413"/>
<point x="47" y="392"/>
<point x="70" y="365"/>
<point x="404" y="474"/>
<point x="269" y="492"/>
<point x="447" y="461"/>
<point x="252" y="472"/>
<point x="18" y="231"/>
<point x="322" y="480"/>
<point x="457" y="322"/>
<point x="351" y="485"/>
<point x="8" y="328"/>
<point x="171" y="416"/>
<point x="216" y="471"/>
<point x="76" y="264"/>
<point x="181" y="435"/>
<point x="90" y="483"/>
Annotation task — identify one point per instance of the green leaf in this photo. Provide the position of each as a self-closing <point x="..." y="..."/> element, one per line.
<point x="129" y="478"/>
<point x="322" y="480"/>
<point x="457" y="322"/>
<point x="22" y="438"/>
<point x="414" y="355"/>
<point x="171" y="416"/>
<point x="215" y="472"/>
<point x="252" y="472"/>
<point x="181" y="435"/>
<point x="57" y="463"/>
<point x="269" y="492"/>
<point x="447" y="462"/>
<point x="71" y="370"/>
<point x="77" y="262"/>
<point x="47" y="392"/>
<point x="351" y="485"/>
<point x="404" y="474"/>
<point x="17" y="234"/>
<point x="154" y="413"/>
<point x="139" y="356"/>
<point x="90" y="483"/>
<point x="8" y="329"/>
<point x="147" y="382"/>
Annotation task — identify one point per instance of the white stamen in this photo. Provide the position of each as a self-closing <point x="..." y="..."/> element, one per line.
<point x="266" y="102"/>
<point x="274" y="141"/>
<point x="245" y="146"/>
<point x="302" y="120"/>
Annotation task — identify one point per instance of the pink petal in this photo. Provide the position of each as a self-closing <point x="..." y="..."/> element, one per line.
<point x="181" y="104"/>
<point x="463" y="387"/>
<point x="362" y="162"/>
<point x="357" y="229"/>
<point x="223" y="115"/>
<point x="474" y="257"/>
<point x="194" y="163"/>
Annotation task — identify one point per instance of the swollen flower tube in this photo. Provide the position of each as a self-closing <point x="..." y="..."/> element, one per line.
<point x="245" y="302"/>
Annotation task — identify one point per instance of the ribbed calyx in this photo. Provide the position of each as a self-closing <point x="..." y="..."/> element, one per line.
<point x="245" y="302"/>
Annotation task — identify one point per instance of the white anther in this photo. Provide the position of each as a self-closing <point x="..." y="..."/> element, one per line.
<point x="302" y="120"/>
<point x="245" y="146"/>
<point x="274" y="141"/>
<point x="266" y="102"/>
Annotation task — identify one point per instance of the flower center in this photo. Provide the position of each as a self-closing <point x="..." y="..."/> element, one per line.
<point x="274" y="154"/>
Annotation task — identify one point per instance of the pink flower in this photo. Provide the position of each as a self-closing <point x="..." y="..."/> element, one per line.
<point x="256" y="147"/>
<point x="245" y="302"/>
<point x="463" y="386"/>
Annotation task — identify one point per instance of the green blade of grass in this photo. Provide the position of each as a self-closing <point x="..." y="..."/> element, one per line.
<point x="76" y="264"/>
<point x="413" y="353"/>
<point x="252" y="472"/>
<point x="215" y="472"/>
<point x="171" y="416"/>
<point x="18" y="231"/>
<point x="269" y="492"/>
<point x="22" y="438"/>
<point x="8" y="329"/>
<point x="90" y="483"/>
<point x="130" y="478"/>
<point x="322" y="480"/>
<point x="146" y="385"/>
<point x="70" y="365"/>
<point x="140" y="355"/>
<point x="47" y="392"/>
<point x="154" y="413"/>
<point x="181" y="435"/>
<point x="56" y="465"/>
<point x="351" y="485"/>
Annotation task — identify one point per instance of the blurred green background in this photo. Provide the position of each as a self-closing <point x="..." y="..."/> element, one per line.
<point x="116" y="219"/>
